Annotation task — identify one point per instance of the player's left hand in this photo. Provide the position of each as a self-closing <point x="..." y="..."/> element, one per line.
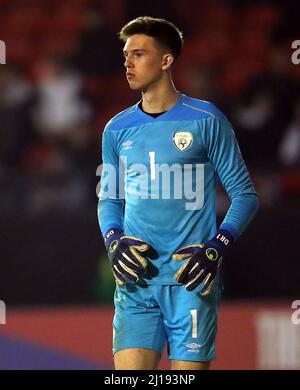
<point x="202" y="262"/>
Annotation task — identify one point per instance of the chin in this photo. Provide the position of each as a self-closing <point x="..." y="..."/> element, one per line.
<point x="136" y="88"/>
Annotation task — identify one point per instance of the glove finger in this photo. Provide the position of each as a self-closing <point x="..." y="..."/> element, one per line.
<point x="208" y="285"/>
<point x="194" y="271"/>
<point x="187" y="251"/>
<point x="188" y="271"/>
<point x="126" y="272"/>
<point x="130" y="261"/>
<point x="136" y="243"/>
<point x="182" y="274"/>
<point x="194" y="282"/>
<point x="141" y="261"/>
<point x="118" y="277"/>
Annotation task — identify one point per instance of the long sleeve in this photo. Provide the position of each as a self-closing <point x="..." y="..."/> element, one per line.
<point x="111" y="197"/>
<point x="225" y="155"/>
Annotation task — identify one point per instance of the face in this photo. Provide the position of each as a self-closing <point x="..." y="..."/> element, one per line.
<point x="145" y="62"/>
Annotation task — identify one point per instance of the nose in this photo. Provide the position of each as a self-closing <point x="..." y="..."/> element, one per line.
<point x="127" y="63"/>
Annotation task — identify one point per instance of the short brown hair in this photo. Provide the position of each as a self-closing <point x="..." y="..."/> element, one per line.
<point x="164" y="32"/>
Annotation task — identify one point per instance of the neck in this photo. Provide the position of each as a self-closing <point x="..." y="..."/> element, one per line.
<point x="160" y="97"/>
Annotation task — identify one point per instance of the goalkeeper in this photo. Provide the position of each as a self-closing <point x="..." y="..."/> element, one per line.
<point x="157" y="211"/>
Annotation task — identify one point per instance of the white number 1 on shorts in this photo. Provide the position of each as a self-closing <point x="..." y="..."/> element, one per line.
<point x="194" y="323"/>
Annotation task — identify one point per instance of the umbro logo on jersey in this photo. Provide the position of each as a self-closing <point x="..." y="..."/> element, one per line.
<point x="193" y="347"/>
<point x="127" y="144"/>
<point x="183" y="140"/>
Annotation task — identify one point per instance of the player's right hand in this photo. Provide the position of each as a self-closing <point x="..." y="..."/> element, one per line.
<point x="124" y="253"/>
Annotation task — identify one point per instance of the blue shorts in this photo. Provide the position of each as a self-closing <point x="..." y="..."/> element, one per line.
<point x="149" y="317"/>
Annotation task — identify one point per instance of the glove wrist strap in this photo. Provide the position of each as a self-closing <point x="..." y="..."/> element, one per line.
<point x="111" y="235"/>
<point x="223" y="240"/>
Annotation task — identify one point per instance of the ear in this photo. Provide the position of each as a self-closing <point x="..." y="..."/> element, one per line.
<point x="167" y="62"/>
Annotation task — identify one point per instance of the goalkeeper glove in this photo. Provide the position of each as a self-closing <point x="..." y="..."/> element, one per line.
<point x="203" y="262"/>
<point x="124" y="255"/>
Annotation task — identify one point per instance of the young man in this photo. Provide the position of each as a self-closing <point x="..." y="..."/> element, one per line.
<point x="157" y="207"/>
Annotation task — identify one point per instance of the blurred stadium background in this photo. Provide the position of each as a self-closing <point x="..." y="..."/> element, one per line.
<point x="63" y="79"/>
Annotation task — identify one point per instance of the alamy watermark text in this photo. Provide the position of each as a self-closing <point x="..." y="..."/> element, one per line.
<point x="296" y="54"/>
<point x="2" y="53"/>
<point x="2" y="313"/>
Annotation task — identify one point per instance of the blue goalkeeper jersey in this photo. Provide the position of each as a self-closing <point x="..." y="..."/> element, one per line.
<point x="159" y="179"/>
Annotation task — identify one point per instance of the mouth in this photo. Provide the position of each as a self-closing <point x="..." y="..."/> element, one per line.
<point x="130" y="75"/>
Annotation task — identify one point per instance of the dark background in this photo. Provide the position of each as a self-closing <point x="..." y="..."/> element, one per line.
<point x="64" y="79"/>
